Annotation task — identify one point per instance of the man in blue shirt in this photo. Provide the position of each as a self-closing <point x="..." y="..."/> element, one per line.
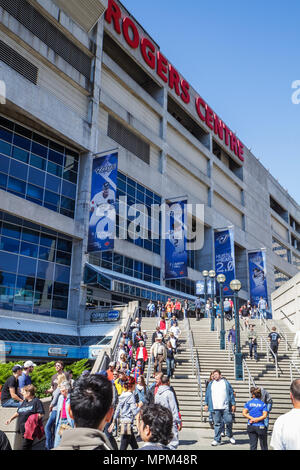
<point x="25" y="378"/>
<point x="255" y="411"/>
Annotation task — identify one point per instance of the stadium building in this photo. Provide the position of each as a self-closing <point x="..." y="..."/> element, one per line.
<point x="81" y="79"/>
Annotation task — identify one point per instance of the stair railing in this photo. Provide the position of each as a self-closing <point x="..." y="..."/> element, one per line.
<point x="251" y="382"/>
<point x="149" y="371"/>
<point x="293" y="365"/>
<point x="268" y="351"/>
<point x="195" y="364"/>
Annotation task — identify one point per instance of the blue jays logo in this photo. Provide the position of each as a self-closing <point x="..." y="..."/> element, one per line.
<point x="222" y="238"/>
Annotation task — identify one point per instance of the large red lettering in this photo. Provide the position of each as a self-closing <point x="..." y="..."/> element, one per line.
<point x="233" y="143"/>
<point x="113" y="12"/>
<point x="218" y="127"/>
<point x="209" y="117"/>
<point x="148" y="52"/>
<point x="174" y="79"/>
<point x="162" y="67"/>
<point x="185" y="96"/>
<point x="227" y="134"/>
<point x="200" y="102"/>
<point x="240" y="150"/>
<point x="133" y="41"/>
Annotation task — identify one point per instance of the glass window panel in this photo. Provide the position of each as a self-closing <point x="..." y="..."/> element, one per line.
<point x="6" y="135"/>
<point x="3" y="181"/>
<point x="38" y="162"/>
<point x="35" y="192"/>
<point x="20" y="155"/>
<point x="60" y="303"/>
<point x="9" y="244"/>
<point x="60" y="289"/>
<point x="21" y="142"/>
<point x="48" y="240"/>
<point x="70" y="176"/>
<point x="63" y="258"/>
<point x="45" y="287"/>
<point x="23" y="131"/>
<point x="64" y="245"/>
<point x="68" y="189"/>
<point x="11" y="230"/>
<point x="36" y="177"/>
<point x="4" y="164"/>
<point x="30" y="236"/>
<point x="52" y="198"/>
<point x="67" y="213"/>
<point x="59" y="313"/>
<point x="62" y="274"/>
<point x="25" y="282"/>
<point x="7" y="279"/>
<point x="68" y="204"/>
<point x="16" y="185"/>
<point x="40" y="150"/>
<point x="56" y="157"/>
<point x="27" y="266"/>
<point x="45" y="270"/>
<point x="53" y="183"/>
<point x="5" y="148"/>
<point x="6" y="123"/>
<point x="6" y="298"/>
<point x="18" y="169"/>
<point x="46" y="253"/>
<point x="28" y="249"/>
<point x="54" y="169"/>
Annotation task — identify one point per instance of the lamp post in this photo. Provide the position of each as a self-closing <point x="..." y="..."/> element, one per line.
<point x="221" y="280"/>
<point x="212" y="275"/>
<point x="205" y="275"/>
<point x="236" y="286"/>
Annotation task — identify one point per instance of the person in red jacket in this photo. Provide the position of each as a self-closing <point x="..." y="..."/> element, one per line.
<point x="141" y="354"/>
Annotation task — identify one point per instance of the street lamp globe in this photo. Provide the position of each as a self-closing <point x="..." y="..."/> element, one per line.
<point x="235" y="285"/>
<point x="221" y="278"/>
<point x="205" y="273"/>
<point x="212" y="273"/>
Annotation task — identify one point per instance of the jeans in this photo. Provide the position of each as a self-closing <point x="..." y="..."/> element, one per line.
<point x="256" y="433"/>
<point x="251" y="348"/>
<point x="170" y="366"/>
<point x="11" y="403"/>
<point x="128" y="439"/>
<point x="220" y="418"/>
<point x="263" y="313"/>
<point x="50" y="430"/>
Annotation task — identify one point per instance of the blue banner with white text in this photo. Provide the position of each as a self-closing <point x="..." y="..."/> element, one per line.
<point x="102" y="223"/>
<point x="175" y="244"/>
<point x="224" y="257"/>
<point x="257" y="276"/>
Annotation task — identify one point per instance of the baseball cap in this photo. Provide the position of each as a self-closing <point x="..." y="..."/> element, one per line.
<point x="29" y="364"/>
<point x="16" y="368"/>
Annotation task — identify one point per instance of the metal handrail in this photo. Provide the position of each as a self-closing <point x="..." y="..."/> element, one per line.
<point x="195" y="364"/>
<point x="149" y="371"/>
<point x="250" y="378"/>
<point x="292" y="364"/>
<point x="287" y="318"/>
<point x="268" y="349"/>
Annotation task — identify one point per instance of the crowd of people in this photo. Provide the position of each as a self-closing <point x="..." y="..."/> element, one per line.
<point x="115" y="409"/>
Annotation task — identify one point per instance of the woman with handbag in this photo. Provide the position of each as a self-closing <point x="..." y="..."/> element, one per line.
<point x="63" y="419"/>
<point x="127" y="410"/>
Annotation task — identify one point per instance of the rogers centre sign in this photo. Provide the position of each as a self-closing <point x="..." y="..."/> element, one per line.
<point x="169" y="75"/>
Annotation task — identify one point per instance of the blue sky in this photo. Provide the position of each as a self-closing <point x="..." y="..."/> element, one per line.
<point x="242" y="58"/>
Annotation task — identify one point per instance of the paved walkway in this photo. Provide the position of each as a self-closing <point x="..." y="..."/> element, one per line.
<point x="200" y="439"/>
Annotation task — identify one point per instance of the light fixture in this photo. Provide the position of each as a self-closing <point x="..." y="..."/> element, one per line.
<point x="235" y="285"/>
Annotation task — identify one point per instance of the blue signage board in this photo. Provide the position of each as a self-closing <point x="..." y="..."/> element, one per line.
<point x="257" y="276"/>
<point x="175" y="243"/>
<point x="102" y="223"/>
<point x="224" y="257"/>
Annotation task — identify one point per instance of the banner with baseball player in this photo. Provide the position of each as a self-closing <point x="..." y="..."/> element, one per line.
<point x="102" y="225"/>
<point x="175" y="244"/>
<point x="225" y="257"/>
<point x="257" y="276"/>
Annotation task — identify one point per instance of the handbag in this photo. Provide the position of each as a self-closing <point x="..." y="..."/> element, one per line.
<point x="63" y="427"/>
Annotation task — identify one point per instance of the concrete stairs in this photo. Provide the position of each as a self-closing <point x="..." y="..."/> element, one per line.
<point x="207" y="348"/>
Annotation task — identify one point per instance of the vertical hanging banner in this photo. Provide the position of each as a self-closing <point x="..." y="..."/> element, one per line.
<point x="102" y="223"/>
<point x="224" y="256"/>
<point x="175" y="243"/>
<point x="257" y="276"/>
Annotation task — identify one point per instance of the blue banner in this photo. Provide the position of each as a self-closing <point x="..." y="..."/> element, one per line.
<point x="257" y="276"/>
<point x="175" y="244"/>
<point x="224" y="257"/>
<point x="103" y="203"/>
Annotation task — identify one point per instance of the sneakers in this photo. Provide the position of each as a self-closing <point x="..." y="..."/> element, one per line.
<point x="215" y="443"/>
<point x="222" y="434"/>
<point x="232" y="440"/>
